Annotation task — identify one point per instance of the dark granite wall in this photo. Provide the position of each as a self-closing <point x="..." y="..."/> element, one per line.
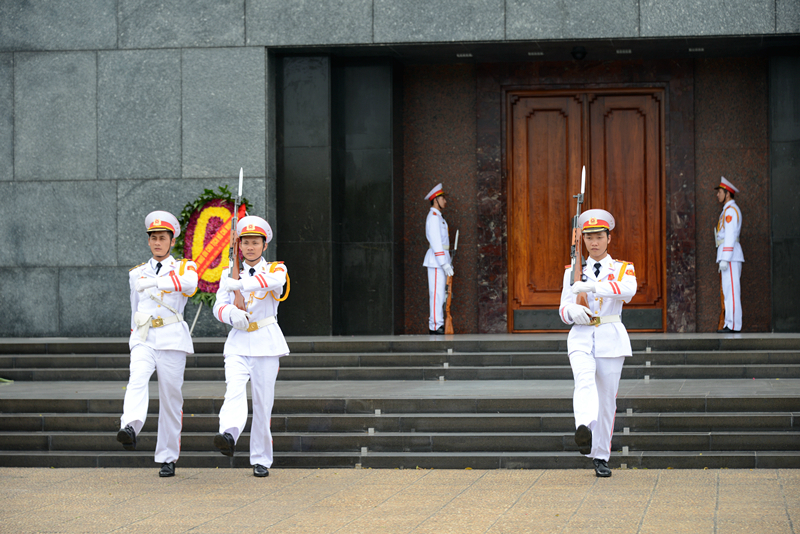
<point x="731" y="132"/>
<point x="784" y="94"/>
<point x="439" y="146"/>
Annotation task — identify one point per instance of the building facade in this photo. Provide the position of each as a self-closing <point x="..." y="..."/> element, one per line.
<point x="344" y="113"/>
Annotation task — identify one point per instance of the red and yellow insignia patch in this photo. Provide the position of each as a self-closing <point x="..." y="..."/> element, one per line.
<point x="610" y="276"/>
<point x="728" y="218"/>
<point x="629" y="272"/>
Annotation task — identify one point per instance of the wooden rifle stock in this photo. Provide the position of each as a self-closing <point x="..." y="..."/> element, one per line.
<point x="448" y="318"/>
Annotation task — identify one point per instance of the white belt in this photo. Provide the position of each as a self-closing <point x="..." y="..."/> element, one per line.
<point x="260" y="324"/>
<point x="144" y="322"/>
<point x="444" y="247"/>
<point x="597" y="321"/>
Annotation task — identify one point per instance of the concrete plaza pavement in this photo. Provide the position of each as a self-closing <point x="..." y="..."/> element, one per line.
<point x="399" y="501"/>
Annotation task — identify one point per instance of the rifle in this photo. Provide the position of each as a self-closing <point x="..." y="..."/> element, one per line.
<point x="233" y="252"/>
<point x="448" y="321"/>
<point x="577" y="246"/>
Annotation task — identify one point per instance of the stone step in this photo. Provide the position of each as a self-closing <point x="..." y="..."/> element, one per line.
<point x="660" y="459"/>
<point x="556" y="342"/>
<point x="412" y="360"/>
<point x="426" y="405"/>
<point x="500" y="442"/>
<point x="412" y="422"/>
<point x="562" y="372"/>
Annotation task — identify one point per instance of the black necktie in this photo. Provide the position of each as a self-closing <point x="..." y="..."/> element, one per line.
<point x="158" y="267"/>
<point x="597" y="269"/>
<point x="252" y="271"/>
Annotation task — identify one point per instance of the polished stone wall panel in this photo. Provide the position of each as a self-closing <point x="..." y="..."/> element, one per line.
<point x="321" y="22"/>
<point x="55" y="110"/>
<point x="711" y="17"/>
<point x="439" y="146"/>
<point x="306" y="88"/>
<point x="731" y="109"/>
<point x="571" y="19"/>
<point x="82" y="290"/>
<point x="367" y="205"/>
<point x="304" y="210"/>
<point x="223" y="110"/>
<point x="784" y="109"/>
<point x="139" y="114"/>
<point x="58" y="25"/>
<point x="30" y="301"/>
<point x="787" y="16"/>
<point x="307" y="311"/>
<point x="366" y="307"/>
<point x="6" y="117"/>
<point x="58" y="223"/>
<point x="134" y="199"/>
<point x="446" y="20"/>
<point x="181" y="23"/>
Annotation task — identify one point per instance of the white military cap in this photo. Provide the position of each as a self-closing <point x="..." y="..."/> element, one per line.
<point x="435" y="192"/>
<point x="725" y="184"/>
<point x="158" y="221"/>
<point x="596" y="221"/>
<point x="252" y="225"/>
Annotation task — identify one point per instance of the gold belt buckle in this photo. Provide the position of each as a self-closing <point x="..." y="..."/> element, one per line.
<point x="252" y="327"/>
<point x="157" y="323"/>
<point x="595" y="321"/>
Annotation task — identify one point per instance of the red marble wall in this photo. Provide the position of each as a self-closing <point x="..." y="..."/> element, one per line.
<point x="732" y="140"/>
<point x="716" y="123"/>
<point x="439" y="146"/>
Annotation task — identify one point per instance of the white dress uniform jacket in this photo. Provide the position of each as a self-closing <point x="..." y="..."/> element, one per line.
<point x="726" y="233"/>
<point x="177" y="281"/>
<point x="261" y="303"/>
<point x="616" y="284"/>
<point x="438" y="240"/>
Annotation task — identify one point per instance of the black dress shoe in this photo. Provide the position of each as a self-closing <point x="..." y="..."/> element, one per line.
<point x="601" y="468"/>
<point x="260" y="471"/>
<point x="583" y="439"/>
<point x="127" y="437"/>
<point x="225" y="443"/>
<point x="725" y="330"/>
<point x="167" y="469"/>
<point x="439" y="331"/>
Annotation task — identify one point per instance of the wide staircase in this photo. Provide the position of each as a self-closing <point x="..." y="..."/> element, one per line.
<point x="685" y="401"/>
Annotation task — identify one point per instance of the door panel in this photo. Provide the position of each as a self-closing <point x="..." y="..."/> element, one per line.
<point x="618" y="134"/>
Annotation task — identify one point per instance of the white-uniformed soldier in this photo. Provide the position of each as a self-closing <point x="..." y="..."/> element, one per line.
<point x="729" y="254"/>
<point x="254" y="346"/>
<point x="598" y="342"/>
<point x="160" y="340"/>
<point x="437" y="259"/>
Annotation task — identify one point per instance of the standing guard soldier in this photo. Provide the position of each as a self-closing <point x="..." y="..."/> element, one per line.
<point x="729" y="256"/>
<point x="598" y="342"/>
<point x="160" y="340"/>
<point x="254" y="346"/>
<point x="437" y="259"/>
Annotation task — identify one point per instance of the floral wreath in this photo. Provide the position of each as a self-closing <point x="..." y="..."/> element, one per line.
<point x="203" y="221"/>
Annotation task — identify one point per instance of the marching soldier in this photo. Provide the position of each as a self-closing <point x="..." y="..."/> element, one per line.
<point x="729" y="255"/>
<point x="437" y="259"/>
<point x="254" y="346"/>
<point x="160" y="340"/>
<point x="598" y="342"/>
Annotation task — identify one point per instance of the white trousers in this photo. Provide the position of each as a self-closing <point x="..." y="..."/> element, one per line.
<point x="170" y="365"/>
<point x="733" y="295"/>
<point x="436" y="282"/>
<point x="262" y="372"/>
<point x="594" y="400"/>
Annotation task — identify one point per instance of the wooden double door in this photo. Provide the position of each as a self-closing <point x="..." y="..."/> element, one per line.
<point x="619" y="136"/>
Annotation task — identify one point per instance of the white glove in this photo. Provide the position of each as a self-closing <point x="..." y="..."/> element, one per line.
<point x="723" y="266"/>
<point x="583" y="287"/>
<point x="448" y="269"/>
<point x="578" y="314"/>
<point x="145" y="283"/>
<point x="229" y="284"/>
<point x="239" y="319"/>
